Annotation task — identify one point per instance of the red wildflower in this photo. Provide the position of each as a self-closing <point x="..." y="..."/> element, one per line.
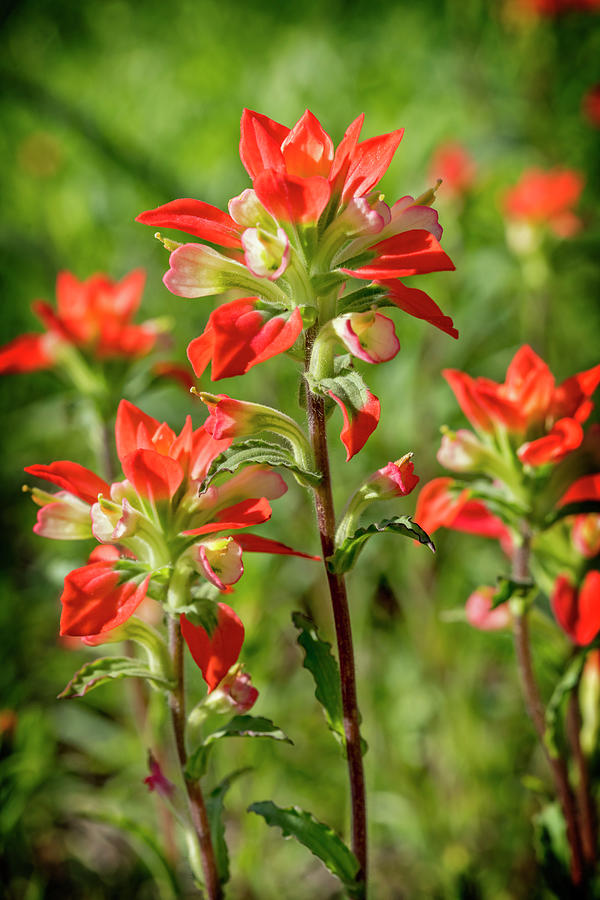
<point x="438" y="507"/>
<point x="480" y="614"/>
<point x="546" y="198"/>
<point x="94" y="315"/>
<point x="359" y="422"/>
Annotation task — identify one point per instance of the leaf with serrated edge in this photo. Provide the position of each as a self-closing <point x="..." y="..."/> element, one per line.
<point x="239" y="726"/>
<point x="317" y="837"/>
<point x="258" y="452"/>
<point x="322" y="665"/>
<point x="111" y="668"/>
<point x="567" y="683"/>
<point x="347" y="553"/>
<point x="214" y="810"/>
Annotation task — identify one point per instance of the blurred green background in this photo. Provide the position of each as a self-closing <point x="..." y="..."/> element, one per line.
<point x="113" y="107"/>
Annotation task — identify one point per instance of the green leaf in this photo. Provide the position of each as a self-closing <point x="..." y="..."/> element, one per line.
<point x="364" y="299"/>
<point x="347" y="553"/>
<point x="214" y="809"/>
<point x="348" y="387"/>
<point x="239" y="726"/>
<point x="111" y="668"/>
<point x="322" y="665"/>
<point x="265" y="453"/>
<point x="567" y="683"/>
<point x="507" y="588"/>
<point x="317" y="837"/>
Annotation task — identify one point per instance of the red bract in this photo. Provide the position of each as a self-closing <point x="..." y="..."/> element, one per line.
<point x="95" y="599"/>
<point x="94" y="315"/>
<point x="239" y="335"/>
<point x="546" y="198"/>
<point x="359" y="422"/>
<point x="216" y="654"/>
<point x="577" y="611"/>
<point x="438" y="507"/>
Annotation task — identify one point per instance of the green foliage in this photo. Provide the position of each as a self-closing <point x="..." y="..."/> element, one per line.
<point x="214" y="809"/>
<point x="317" y="837"/>
<point x="239" y="726"/>
<point x="111" y="668"/>
<point x="323" y="666"/>
<point x="347" y="553"/>
<point x="266" y="453"/>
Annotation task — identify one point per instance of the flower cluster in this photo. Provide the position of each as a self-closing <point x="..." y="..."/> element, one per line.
<point x="312" y="222"/>
<point x="529" y="461"/>
<point x="160" y="535"/>
<point x="546" y="199"/>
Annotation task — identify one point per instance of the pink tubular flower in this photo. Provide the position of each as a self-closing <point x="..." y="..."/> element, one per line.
<point x="240" y="335"/>
<point x="577" y="611"/>
<point x="480" y="614"/>
<point x="396" y="479"/>
<point x="455" y="167"/>
<point x="93" y="315"/>
<point x="159" y="518"/>
<point x="157" y="780"/>
<point x="546" y="198"/>
<point x="368" y="336"/>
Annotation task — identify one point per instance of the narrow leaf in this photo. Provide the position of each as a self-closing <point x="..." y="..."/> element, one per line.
<point x="317" y="837"/>
<point x="347" y="553"/>
<point x="239" y="726"/>
<point x="266" y="453"/>
<point x="322" y="665"/>
<point x="214" y="809"/>
<point x="581" y="507"/>
<point x="111" y="668"/>
<point x="567" y="683"/>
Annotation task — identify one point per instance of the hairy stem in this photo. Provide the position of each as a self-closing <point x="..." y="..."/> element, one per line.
<point x="343" y="629"/>
<point x="535" y="708"/>
<point x="587" y="812"/>
<point x="194" y="791"/>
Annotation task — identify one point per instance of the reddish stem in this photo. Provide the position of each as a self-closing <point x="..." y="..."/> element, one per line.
<point x="194" y="791"/>
<point x="343" y="631"/>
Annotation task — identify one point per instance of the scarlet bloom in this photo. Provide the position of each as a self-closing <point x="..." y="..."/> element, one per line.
<point x="94" y="315"/>
<point x="158" y="518"/>
<point x="301" y="184"/>
<point x="360" y="421"/>
<point x="577" y="611"/>
<point x="591" y="106"/>
<point x="546" y="198"/>
<point x="396" y="479"/>
<point x="440" y="507"/>
<point x="529" y="405"/>
<point x="455" y="167"/>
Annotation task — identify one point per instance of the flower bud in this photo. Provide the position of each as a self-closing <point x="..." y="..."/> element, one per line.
<point x="480" y="614"/>
<point x="157" y="780"/>
<point x="397" y="479"/>
<point x="586" y="534"/>
<point x="235" y="692"/>
<point x="219" y="560"/>
<point x="247" y="210"/>
<point x="367" y="335"/>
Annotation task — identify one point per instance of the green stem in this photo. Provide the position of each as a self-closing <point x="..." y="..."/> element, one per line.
<point x="587" y="812"/>
<point x="343" y="628"/>
<point x="537" y="714"/>
<point x="194" y="791"/>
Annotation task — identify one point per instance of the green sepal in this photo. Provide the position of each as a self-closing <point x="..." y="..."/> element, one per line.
<point x="317" y="837"/>
<point x="111" y="668"/>
<point x="347" y="553"/>
<point x="214" y="809"/>
<point x="202" y="609"/>
<point x="327" y="282"/>
<point x="582" y="507"/>
<point x="348" y="387"/>
<point x="265" y="453"/>
<point x="509" y="589"/>
<point x="321" y="663"/>
<point x="363" y="300"/>
<point x="496" y="499"/>
<point x="565" y="686"/>
<point x="239" y="726"/>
